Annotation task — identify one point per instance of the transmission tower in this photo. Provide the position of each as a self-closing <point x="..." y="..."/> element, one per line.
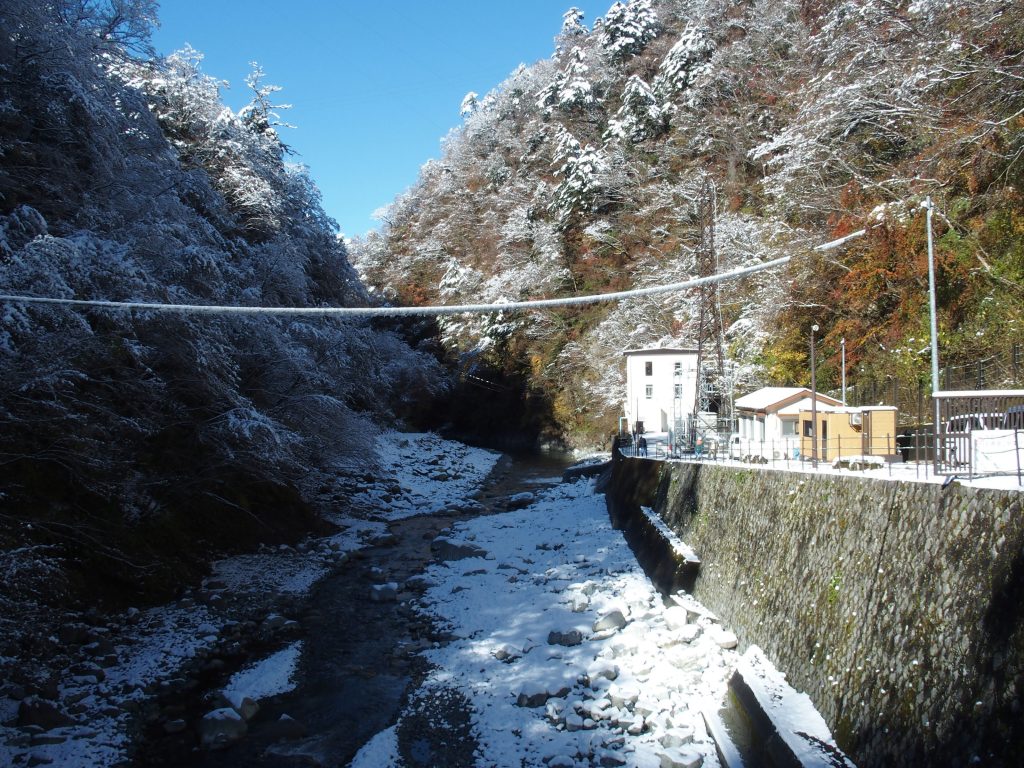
<point x="710" y="332"/>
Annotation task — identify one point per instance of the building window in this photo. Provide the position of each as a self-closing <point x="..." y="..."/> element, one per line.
<point x="679" y="369"/>
<point x="648" y="369"/>
<point x="649" y="391"/>
<point x="788" y="427"/>
<point x="808" y="429"/>
<point x="678" y="391"/>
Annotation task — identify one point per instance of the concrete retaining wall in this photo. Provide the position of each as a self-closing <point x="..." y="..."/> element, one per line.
<point x="898" y="607"/>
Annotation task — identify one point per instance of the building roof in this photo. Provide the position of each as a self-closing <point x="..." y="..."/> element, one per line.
<point x="662" y="351"/>
<point x="776" y="398"/>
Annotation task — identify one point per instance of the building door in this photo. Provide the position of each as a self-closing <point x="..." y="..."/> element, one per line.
<point x="823" y="453"/>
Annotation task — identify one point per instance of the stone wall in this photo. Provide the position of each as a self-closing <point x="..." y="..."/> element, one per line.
<point x="896" y="606"/>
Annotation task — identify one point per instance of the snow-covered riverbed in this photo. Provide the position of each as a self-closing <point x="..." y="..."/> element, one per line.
<point x="559" y="645"/>
<point x="565" y="650"/>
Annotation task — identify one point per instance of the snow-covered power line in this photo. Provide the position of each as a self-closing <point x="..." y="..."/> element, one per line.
<point x="456" y="309"/>
<point x="840" y="241"/>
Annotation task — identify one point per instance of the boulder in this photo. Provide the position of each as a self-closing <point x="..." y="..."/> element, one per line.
<point x="725" y="639"/>
<point x="446" y="549"/>
<point x="532" y="695"/>
<point x="681" y="758"/>
<point x="221" y="728"/>
<point x="242" y="704"/>
<point x="611" y="620"/>
<point x="568" y="639"/>
<point x="42" y="713"/>
<point x="520" y="500"/>
<point x="384" y="593"/>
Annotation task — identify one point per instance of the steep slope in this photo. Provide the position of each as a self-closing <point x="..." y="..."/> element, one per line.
<point x="135" y="443"/>
<point x="583" y="173"/>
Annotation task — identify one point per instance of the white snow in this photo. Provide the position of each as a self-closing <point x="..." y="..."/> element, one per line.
<point x="271" y="676"/>
<point x="379" y="751"/>
<point x="425" y="474"/>
<point x="503" y="608"/>
<point x="679" y="547"/>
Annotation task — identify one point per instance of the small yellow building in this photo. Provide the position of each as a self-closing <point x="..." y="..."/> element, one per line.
<point x="844" y="432"/>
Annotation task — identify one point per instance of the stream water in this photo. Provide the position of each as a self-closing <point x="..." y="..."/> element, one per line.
<point x="361" y="660"/>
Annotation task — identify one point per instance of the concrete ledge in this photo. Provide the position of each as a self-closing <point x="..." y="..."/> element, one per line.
<point x="788" y="729"/>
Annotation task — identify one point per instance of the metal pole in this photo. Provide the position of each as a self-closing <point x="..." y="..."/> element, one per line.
<point x="814" y="403"/>
<point x="842" y="344"/>
<point x="934" y="323"/>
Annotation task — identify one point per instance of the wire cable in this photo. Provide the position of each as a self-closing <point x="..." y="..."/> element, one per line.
<point x="435" y="311"/>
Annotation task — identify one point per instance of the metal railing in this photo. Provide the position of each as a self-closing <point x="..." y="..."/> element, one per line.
<point x="914" y="453"/>
<point x="981" y="432"/>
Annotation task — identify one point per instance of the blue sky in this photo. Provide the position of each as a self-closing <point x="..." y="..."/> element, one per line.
<point x="374" y="86"/>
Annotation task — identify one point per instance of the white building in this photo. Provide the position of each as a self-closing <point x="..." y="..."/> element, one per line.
<point x="661" y="386"/>
<point x="768" y="419"/>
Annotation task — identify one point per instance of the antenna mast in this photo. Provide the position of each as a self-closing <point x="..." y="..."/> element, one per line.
<point x="710" y="332"/>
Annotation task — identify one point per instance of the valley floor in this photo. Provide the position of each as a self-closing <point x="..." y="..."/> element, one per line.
<point x="513" y="628"/>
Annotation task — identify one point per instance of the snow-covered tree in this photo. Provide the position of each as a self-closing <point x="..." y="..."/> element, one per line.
<point x="684" y="62"/>
<point x="571" y="89"/>
<point x="628" y="28"/>
<point x="640" y="117"/>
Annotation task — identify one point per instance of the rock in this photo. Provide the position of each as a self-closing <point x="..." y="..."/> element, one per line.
<point x="611" y="620"/>
<point x="602" y="668"/>
<point x="567" y="639"/>
<point x="623" y="696"/>
<point x="609" y="758"/>
<point x="676" y="617"/>
<point x="681" y="758"/>
<point x="214" y="584"/>
<point x="287" y="728"/>
<point x="676" y="737"/>
<point x="725" y="639"/>
<point x="579" y="602"/>
<point x="531" y="695"/>
<point x="39" y="758"/>
<point x="520" y="500"/>
<point x="384" y="593"/>
<point x="47" y="739"/>
<point x="221" y="728"/>
<point x="419" y="583"/>
<point x="573" y="722"/>
<point x="174" y="726"/>
<point x="87" y="668"/>
<point x="206" y="628"/>
<point x="273" y="622"/>
<point x="385" y="539"/>
<point x="446" y="549"/>
<point x="554" y="711"/>
<point x="242" y="704"/>
<point x="74" y="633"/>
<point x="561" y="761"/>
<point x="45" y="714"/>
<point x="506" y="653"/>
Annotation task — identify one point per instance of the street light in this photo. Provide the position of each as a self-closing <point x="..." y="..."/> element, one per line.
<point x="933" y="327"/>
<point x="814" y="402"/>
<point x="842" y="343"/>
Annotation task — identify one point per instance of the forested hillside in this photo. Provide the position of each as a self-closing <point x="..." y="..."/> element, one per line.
<point x="814" y="120"/>
<point x="133" y="444"/>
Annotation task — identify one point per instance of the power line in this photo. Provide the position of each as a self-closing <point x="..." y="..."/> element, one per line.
<point x="457" y="309"/>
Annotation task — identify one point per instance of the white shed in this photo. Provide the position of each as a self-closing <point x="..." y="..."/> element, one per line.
<point x="768" y="419"/>
<point x="661" y="385"/>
